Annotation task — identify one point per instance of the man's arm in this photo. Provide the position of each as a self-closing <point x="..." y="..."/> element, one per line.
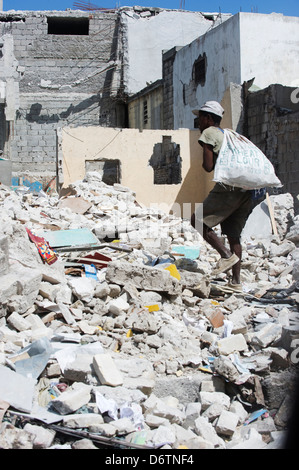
<point x="208" y="157"/>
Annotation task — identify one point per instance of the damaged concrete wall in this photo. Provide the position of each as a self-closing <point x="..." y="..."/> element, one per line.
<point x="269" y="46"/>
<point x="273" y="125"/>
<point x="135" y="150"/>
<point x="58" y="67"/>
<point x="222" y="67"/>
<point x="233" y="52"/>
<point x="148" y="32"/>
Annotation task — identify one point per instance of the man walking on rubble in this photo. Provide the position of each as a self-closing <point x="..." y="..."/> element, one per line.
<point x="225" y="205"/>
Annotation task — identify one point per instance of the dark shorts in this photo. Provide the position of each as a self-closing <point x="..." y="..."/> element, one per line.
<point x="230" y="207"/>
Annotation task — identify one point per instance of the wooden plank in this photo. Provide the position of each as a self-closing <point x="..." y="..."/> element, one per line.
<point x="271" y="212"/>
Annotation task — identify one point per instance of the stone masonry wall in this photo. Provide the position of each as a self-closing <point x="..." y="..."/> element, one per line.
<point x="69" y="79"/>
<point x="273" y="125"/>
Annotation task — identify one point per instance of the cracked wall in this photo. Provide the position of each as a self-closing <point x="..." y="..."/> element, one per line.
<point x="273" y="125"/>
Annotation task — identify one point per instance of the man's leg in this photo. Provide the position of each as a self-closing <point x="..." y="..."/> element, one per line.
<point x="228" y="258"/>
<point x="210" y="237"/>
<point x="236" y="247"/>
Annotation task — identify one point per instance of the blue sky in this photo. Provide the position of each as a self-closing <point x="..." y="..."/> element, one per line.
<point x="287" y="7"/>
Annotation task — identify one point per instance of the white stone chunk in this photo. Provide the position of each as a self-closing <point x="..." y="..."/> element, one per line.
<point x="106" y="370"/>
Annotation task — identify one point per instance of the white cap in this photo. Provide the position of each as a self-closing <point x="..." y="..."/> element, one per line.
<point x="210" y="107"/>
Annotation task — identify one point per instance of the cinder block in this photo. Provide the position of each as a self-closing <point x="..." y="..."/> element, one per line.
<point x="227" y="423"/>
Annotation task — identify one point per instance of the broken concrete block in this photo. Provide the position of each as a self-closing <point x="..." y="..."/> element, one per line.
<point x="80" y="369"/>
<point x="84" y="444"/>
<point x="204" y="429"/>
<point x="227" y="423"/>
<point x="192" y="411"/>
<point x="123" y="426"/>
<point x="20" y="286"/>
<point x="86" y="328"/>
<point x="154" y="421"/>
<point x="83" y="288"/>
<point x="118" y="306"/>
<point x="106" y="370"/>
<point x="208" y="398"/>
<point x="64" y="294"/>
<point x="163" y="435"/>
<point x="10" y="385"/>
<point x="142" y="277"/>
<point x="101" y="290"/>
<point x="267" y="335"/>
<point x="29" y="281"/>
<point x="158" y="407"/>
<point x="4" y="255"/>
<point x="48" y="291"/>
<point x="142" y="321"/>
<point x="36" y="322"/>
<point x="289" y="340"/>
<point x="224" y="367"/>
<point x="53" y="370"/>
<point x="42" y="438"/>
<point x="208" y="338"/>
<point x="237" y="408"/>
<point x="239" y="322"/>
<point x="83" y="420"/>
<point x="232" y="344"/>
<point x="280" y="358"/>
<point x="18" y="322"/>
<point x="105" y="429"/>
<point x="72" y="399"/>
<point x="182" y="435"/>
<point x="15" y="438"/>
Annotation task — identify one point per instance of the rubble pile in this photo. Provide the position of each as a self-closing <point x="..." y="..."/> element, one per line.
<point x="114" y="332"/>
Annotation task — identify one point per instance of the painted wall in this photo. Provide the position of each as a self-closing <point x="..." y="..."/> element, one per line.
<point x="134" y="150"/>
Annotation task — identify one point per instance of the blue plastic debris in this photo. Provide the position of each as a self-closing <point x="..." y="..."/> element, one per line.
<point x="255" y="415"/>
<point x="90" y="271"/>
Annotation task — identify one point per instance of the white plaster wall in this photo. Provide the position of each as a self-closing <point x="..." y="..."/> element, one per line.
<point x="246" y="46"/>
<point x="147" y="37"/>
<point x="222" y="48"/>
<point x="269" y="49"/>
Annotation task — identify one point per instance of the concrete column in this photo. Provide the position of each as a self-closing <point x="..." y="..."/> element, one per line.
<point x="1" y="5"/>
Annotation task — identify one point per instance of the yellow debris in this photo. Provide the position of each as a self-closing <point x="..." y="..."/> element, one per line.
<point x="153" y="308"/>
<point x="173" y="271"/>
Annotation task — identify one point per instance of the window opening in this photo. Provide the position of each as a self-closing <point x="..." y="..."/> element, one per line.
<point x="166" y="162"/>
<point x="68" y="26"/>
<point x="200" y="69"/>
<point x="109" y="169"/>
<point x="145" y="113"/>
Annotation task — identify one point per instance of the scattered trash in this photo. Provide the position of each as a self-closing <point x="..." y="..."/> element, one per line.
<point x="109" y="347"/>
<point x="46" y="253"/>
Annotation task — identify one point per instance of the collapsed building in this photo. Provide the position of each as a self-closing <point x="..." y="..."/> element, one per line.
<point x="110" y="319"/>
<point x="143" y="68"/>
